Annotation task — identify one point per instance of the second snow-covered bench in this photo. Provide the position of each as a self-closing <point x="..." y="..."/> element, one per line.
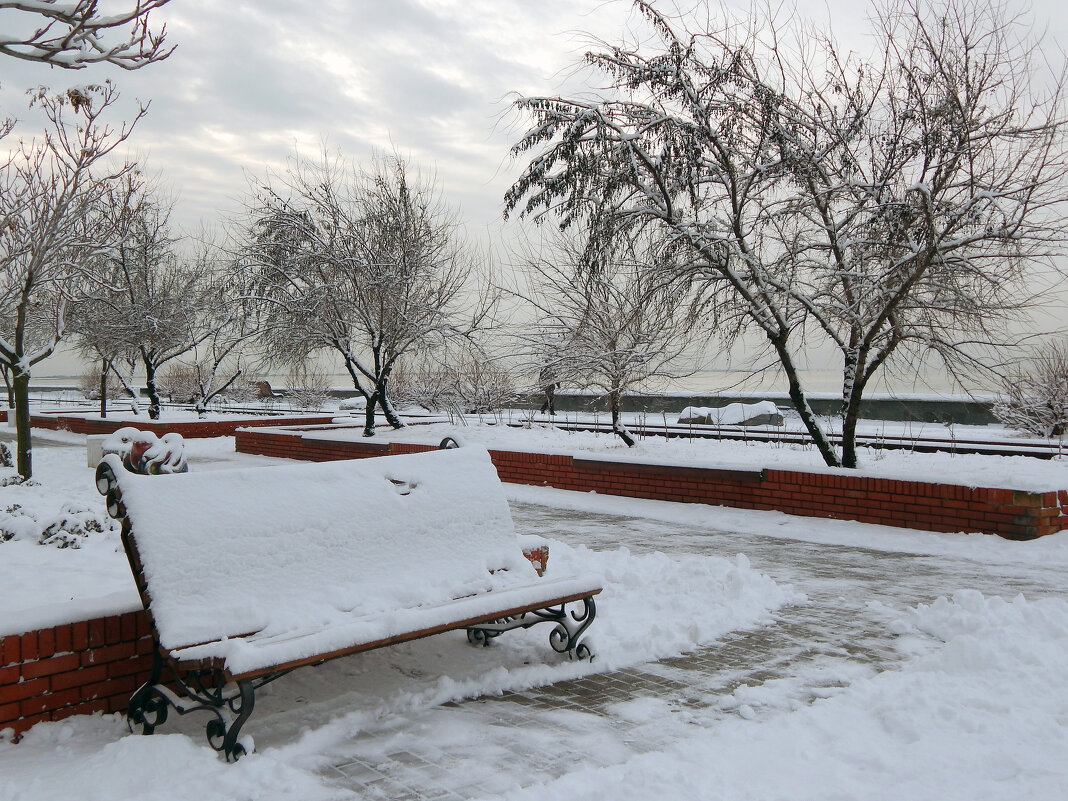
<point x="248" y="574"/>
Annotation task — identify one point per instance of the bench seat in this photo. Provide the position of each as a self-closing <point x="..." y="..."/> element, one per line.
<point x="256" y="654"/>
<point x="250" y="573"/>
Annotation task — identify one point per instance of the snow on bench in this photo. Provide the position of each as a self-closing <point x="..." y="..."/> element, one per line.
<point x="250" y="573"/>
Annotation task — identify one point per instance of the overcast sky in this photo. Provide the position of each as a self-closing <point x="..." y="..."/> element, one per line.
<point x="253" y="79"/>
<point x="431" y="79"/>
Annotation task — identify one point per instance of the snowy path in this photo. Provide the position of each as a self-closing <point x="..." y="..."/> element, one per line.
<point x="865" y="689"/>
<point x="495" y="745"/>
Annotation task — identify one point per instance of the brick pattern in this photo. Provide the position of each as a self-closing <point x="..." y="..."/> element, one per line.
<point x="1013" y="514"/>
<point x="94" y="666"/>
<point x="190" y="430"/>
<point x="77" y="668"/>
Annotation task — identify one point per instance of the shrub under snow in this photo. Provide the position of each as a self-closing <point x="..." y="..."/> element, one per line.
<point x="1035" y="399"/>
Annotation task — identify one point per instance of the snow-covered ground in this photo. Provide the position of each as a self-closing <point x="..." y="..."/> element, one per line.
<point x="1010" y="472"/>
<point x="871" y="662"/>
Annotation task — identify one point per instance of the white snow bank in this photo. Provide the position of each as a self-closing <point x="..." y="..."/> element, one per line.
<point x="1050" y="552"/>
<point x="730" y="415"/>
<point x="655" y="605"/>
<point x="45" y="587"/>
<point x="984" y="717"/>
<point x="95" y="759"/>
<point x="652" y="606"/>
<point x="972" y="470"/>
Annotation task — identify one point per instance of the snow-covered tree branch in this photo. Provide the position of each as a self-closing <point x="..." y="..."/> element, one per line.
<point x="73" y="34"/>
<point x="370" y="266"/>
<point x="892" y="206"/>
<point x="607" y="315"/>
<point x="52" y="229"/>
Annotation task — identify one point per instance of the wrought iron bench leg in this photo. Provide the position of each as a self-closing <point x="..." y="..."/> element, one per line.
<point x="224" y="730"/>
<point x="148" y="706"/>
<point x="231" y="705"/>
<point x="565" y="636"/>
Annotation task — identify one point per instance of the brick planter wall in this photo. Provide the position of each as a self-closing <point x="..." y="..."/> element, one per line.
<point x="94" y="666"/>
<point x="77" y="668"/>
<point x="191" y="429"/>
<point x="1014" y="514"/>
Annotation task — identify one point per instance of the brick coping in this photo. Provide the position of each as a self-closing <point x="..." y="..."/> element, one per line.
<point x="833" y="494"/>
<point x="190" y="429"/>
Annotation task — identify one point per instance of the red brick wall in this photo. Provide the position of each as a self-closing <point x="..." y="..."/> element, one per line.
<point x="1014" y="514"/>
<point x="95" y="665"/>
<point x="190" y="430"/>
<point x="91" y="666"/>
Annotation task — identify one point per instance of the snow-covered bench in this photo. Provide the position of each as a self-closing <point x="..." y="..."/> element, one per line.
<point x="248" y="574"/>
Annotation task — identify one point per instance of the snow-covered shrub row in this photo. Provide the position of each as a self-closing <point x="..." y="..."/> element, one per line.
<point x="66" y="528"/>
<point x="1035" y="399"/>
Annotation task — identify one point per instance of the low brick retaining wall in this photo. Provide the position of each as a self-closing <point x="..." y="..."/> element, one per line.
<point x="190" y="429"/>
<point x="77" y="668"/>
<point x="89" y="666"/>
<point x="94" y="666"/>
<point x="1014" y="514"/>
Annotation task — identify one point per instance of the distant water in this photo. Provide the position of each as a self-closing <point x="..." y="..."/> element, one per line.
<point x="704" y="382"/>
<point x="822" y="381"/>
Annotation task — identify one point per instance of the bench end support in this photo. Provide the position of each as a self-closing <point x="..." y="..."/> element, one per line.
<point x="565" y="637"/>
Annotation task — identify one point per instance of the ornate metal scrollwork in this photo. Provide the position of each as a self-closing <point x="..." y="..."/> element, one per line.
<point x="565" y="636"/>
<point x="231" y="704"/>
<point x="108" y="485"/>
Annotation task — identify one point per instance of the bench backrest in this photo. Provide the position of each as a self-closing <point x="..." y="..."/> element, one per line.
<point x="289" y="548"/>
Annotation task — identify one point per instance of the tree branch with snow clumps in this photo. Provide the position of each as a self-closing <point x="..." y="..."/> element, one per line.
<point x="73" y="35"/>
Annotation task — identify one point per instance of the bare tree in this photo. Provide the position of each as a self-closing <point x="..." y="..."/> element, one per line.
<point x="1035" y="398"/>
<point x="369" y="265"/>
<point x="157" y="298"/>
<point x="605" y="318"/>
<point x="307" y="386"/>
<point x="51" y="230"/>
<point x="890" y="207"/>
<point x="75" y="34"/>
<point x="460" y="380"/>
<point x="224" y="329"/>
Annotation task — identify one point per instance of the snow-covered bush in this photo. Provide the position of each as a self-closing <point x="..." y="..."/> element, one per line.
<point x="179" y="383"/>
<point x="67" y="529"/>
<point x="308" y="386"/>
<point x="1035" y="399"/>
<point x="71" y="526"/>
<point x="14" y="523"/>
<point x="471" y="386"/>
<point x="89" y="384"/>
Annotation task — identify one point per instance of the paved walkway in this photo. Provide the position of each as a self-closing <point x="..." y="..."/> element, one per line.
<point x="456" y="751"/>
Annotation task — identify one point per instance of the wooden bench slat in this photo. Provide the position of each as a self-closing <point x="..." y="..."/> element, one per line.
<point x="398" y="638"/>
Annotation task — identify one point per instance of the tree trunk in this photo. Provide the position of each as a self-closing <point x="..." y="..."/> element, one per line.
<point x="135" y="405"/>
<point x="104" y="388"/>
<point x="10" y="389"/>
<point x="387" y="407"/>
<point x="21" y="390"/>
<point x="617" y="421"/>
<point x="797" y="396"/>
<point x="369" y="415"/>
<point x="850" y="418"/>
<point x="155" y="405"/>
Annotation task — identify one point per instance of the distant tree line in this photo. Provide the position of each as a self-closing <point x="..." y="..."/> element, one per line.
<point x="737" y="178"/>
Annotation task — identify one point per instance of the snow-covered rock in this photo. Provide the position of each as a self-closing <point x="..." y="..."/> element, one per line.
<point x="764" y="413"/>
